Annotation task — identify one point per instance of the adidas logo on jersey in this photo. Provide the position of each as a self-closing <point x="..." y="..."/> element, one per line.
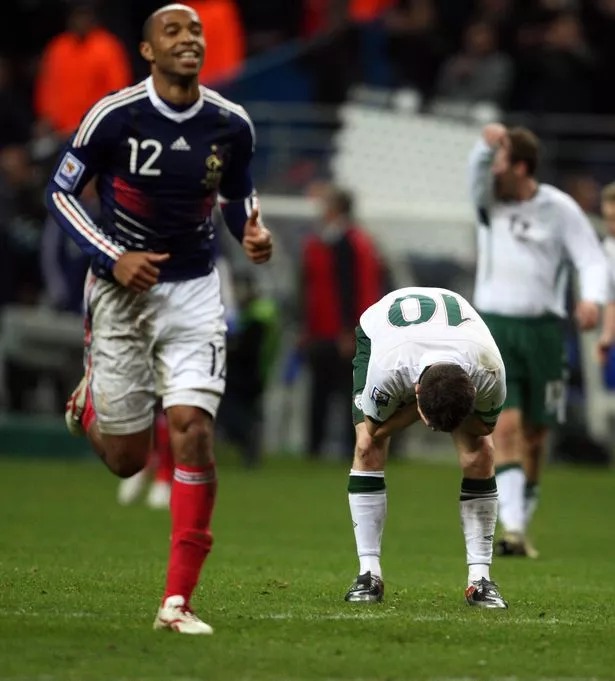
<point x="180" y="144"/>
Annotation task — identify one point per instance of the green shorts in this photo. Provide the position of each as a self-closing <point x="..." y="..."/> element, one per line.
<point x="534" y="356"/>
<point x="359" y="371"/>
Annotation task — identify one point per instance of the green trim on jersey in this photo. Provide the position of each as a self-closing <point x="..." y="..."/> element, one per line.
<point x="490" y="416"/>
<point x="359" y="371"/>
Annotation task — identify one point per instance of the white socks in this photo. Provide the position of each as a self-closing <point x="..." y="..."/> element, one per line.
<point x="368" y="507"/>
<point x="511" y="492"/>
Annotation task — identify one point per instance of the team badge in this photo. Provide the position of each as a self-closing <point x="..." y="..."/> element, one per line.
<point x="380" y="397"/>
<point x="69" y="172"/>
<point x="214" y="164"/>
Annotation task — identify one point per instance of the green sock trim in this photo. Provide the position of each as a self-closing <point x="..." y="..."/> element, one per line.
<point x="361" y="484"/>
<point x="507" y="467"/>
<point x="470" y="485"/>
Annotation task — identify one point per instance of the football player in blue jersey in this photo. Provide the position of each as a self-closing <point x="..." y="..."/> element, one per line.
<point x="164" y="152"/>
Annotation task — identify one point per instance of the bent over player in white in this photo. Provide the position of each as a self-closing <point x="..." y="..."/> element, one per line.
<point x="164" y="152"/>
<point x="425" y="354"/>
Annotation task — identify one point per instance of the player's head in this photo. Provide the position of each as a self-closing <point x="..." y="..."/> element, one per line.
<point x="81" y="18"/>
<point x="445" y="396"/>
<point x="337" y="204"/>
<point x="515" y="162"/>
<point x="173" y="42"/>
<point x="608" y="207"/>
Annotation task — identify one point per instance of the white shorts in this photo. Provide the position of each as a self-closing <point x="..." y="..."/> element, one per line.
<point x="168" y="343"/>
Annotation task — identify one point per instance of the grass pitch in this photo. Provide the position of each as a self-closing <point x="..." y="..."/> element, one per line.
<point x="80" y="580"/>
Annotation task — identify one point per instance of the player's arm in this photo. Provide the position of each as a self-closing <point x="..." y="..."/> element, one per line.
<point x="490" y="397"/>
<point x="405" y="416"/>
<point x="238" y="200"/>
<point x="479" y="167"/>
<point x="588" y="257"/>
<point x="80" y="160"/>
<point x="84" y="156"/>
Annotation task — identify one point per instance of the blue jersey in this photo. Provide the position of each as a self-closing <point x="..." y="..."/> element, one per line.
<point x="159" y="174"/>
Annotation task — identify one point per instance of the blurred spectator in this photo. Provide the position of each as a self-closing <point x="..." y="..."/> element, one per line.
<point x="559" y="76"/>
<point x="269" y="23"/>
<point x="224" y="38"/>
<point x="334" y="59"/>
<point x="585" y="190"/>
<point x="15" y="118"/>
<point x="342" y="275"/>
<point x="23" y="215"/>
<point x="479" y="71"/>
<point x="600" y="18"/>
<point x="501" y="15"/>
<point x="415" y="45"/>
<point x="78" y="67"/>
<point x="368" y="10"/>
<point x="252" y="349"/>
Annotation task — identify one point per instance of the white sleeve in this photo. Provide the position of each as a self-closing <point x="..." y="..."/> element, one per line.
<point x="586" y="252"/>
<point x="481" y="179"/>
<point x="380" y="399"/>
<point x="490" y="396"/>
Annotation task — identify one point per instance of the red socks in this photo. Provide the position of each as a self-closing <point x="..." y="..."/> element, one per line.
<point x="193" y="495"/>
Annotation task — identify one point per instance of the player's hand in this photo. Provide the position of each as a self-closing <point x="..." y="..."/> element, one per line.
<point x="137" y="270"/>
<point x="495" y="134"/>
<point x="587" y="314"/>
<point x="256" y="242"/>
<point x="603" y="348"/>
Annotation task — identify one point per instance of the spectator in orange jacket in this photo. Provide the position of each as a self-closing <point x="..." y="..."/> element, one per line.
<point x="224" y="36"/>
<point x="78" y="67"/>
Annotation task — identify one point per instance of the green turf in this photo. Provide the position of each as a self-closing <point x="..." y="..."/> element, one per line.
<point x="80" y="579"/>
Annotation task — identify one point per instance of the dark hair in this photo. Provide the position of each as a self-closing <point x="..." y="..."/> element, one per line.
<point x="342" y="200"/>
<point x="446" y="396"/>
<point x="524" y="148"/>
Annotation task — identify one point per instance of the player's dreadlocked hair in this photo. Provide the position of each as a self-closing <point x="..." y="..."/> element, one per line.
<point x="446" y="396"/>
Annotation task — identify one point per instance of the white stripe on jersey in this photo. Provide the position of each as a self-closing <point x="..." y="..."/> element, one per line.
<point x="73" y="212"/>
<point x="215" y="98"/>
<point x="103" y="107"/>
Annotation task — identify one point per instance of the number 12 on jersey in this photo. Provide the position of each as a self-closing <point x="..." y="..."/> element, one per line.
<point x="416" y="308"/>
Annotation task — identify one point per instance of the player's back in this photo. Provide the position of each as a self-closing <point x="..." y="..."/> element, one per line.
<point x="409" y="323"/>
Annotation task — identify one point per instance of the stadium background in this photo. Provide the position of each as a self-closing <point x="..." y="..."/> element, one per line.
<point x="350" y="91"/>
<point x="358" y="92"/>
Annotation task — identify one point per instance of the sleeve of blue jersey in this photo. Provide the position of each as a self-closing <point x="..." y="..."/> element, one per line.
<point x="74" y="169"/>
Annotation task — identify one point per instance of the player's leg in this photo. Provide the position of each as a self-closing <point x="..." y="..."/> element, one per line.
<point x="478" y="507"/>
<point x="113" y="403"/>
<point x="190" y="363"/>
<point x="535" y="454"/>
<point x="546" y="406"/>
<point x="367" y="495"/>
<point x="509" y="334"/>
<point x="159" y="493"/>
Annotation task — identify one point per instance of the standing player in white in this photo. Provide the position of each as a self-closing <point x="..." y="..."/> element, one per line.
<point x="425" y="354"/>
<point x="528" y="232"/>
<point x="164" y="152"/>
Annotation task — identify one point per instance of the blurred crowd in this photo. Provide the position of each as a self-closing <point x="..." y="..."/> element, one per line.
<point x="538" y="56"/>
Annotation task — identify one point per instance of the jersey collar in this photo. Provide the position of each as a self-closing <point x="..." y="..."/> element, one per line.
<point x="166" y="110"/>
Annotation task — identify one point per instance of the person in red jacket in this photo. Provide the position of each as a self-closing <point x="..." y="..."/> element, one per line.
<point x="77" y="68"/>
<point x="342" y="275"/>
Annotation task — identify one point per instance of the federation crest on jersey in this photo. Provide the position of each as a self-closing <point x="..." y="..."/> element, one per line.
<point x="69" y="172"/>
<point x="380" y="397"/>
<point x="214" y="165"/>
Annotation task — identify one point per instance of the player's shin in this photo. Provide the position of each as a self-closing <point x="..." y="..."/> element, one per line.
<point x="478" y="507"/>
<point x="193" y="495"/>
<point x="511" y="488"/>
<point x="368" y="506"/>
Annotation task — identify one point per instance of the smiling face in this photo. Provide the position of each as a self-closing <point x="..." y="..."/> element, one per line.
<point x="173" y="42"/>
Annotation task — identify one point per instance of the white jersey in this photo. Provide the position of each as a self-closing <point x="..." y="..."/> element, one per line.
<point x="525" y="247"/>
<point x="414" y="327"/>
<point x="609" y="249"/>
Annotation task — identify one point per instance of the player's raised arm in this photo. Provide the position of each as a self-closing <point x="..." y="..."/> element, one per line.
<point x="480" y="164"/>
